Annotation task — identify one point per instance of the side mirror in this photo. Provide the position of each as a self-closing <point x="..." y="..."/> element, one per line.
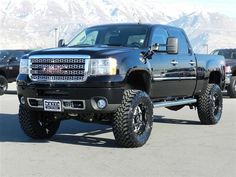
<point x="172" y="45"/>
<point x="155" y="47"/>
<point x="148" y="55"/>
<point x="61" y="43"/>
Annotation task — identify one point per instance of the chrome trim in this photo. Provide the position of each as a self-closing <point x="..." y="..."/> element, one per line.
<point x="173" y="78"/>
<point x="37" y="99"/>
<point x="174" y="103"/>
<point x="228" y="78"/>
<point x="165" y="78"/>
<point x="70" y="56"/>
<point x="60" y="56"/>
<point x="62" y="101"/>
<point x="70" y="108"/>
<point x="188" y="78"/>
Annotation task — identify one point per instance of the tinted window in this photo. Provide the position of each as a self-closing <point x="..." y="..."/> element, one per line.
<point x="17" y="54"/>
<point x="229" y="54"/>
<point x="233" y="55"/>
<point x="4" y="54"/>
<point x="215" y="52"/>
<point x="160" y="36"/>
<point x="84" y="38"/>
<point x="112" y="35"/>
<point x="183" y="45"/>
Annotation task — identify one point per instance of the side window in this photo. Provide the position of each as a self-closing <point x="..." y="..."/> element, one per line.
<point x="225" y="53"/>
<point x="233" y="55"/>
<point x="160" y="36"/>
<point x="183" y="44"/>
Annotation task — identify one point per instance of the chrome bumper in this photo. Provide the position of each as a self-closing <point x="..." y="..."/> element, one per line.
<point x="227" y="78"/>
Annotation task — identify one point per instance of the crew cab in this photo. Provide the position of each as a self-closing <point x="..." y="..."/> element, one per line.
<point x="230" y="58"/>
<point x="116" y="74"/>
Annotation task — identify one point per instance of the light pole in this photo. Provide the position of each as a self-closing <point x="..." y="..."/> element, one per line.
<point x="55" y="30"/>
<point x="206" y="45"/>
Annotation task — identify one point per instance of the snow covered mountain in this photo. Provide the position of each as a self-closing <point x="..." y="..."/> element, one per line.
<point x="39" y="24"/>
<point x="208" y="31"/>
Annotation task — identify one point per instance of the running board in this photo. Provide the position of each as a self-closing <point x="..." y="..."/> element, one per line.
<point x="174" y="103"/>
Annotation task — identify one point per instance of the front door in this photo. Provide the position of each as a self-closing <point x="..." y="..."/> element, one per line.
<point x="174" y="75"/>
<point x="164" y="67"/>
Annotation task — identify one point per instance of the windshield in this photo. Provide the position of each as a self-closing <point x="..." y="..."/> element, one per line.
<point x="122" y="35"/>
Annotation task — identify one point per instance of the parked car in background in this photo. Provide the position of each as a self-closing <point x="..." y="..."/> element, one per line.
<point x="9" y="66"/>
<point x="230" y="58"/>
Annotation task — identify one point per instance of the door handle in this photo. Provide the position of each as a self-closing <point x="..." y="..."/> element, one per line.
<point x="192" y="62"/>
<point x="173" y="62"/>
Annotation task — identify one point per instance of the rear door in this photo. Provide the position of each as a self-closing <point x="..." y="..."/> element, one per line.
<point x="186" y="64"/>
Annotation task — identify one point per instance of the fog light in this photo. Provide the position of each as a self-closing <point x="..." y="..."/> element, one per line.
<point x="101" y="104"/>
<point x="22" y="100"/>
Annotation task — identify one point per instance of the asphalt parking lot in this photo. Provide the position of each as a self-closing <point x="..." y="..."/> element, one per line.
<point x="179" y="146"/>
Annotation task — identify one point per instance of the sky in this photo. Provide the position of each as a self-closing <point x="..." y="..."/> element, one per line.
<point x="227" y="7"/>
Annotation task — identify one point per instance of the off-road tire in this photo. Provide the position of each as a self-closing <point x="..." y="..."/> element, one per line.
<point x="231" y="88"/>
<point x="37" y="125"/>
<point x="210" y="105"/>
<point x="3" y="83"/>
<point x="123" y="122"/>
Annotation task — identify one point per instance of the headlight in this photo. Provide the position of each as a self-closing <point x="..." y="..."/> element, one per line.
<point x="24" y="64"/>
<point x="106" y="66"/>
<point x="228" y="69"/>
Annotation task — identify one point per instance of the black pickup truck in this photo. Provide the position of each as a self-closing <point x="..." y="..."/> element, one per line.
<point x="9" y="66"/>
<point x="230" y="69"/>
<point x="116" y="74"/>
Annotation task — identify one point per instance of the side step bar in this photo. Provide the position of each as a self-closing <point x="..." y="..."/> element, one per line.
<point x="174" y="103"/>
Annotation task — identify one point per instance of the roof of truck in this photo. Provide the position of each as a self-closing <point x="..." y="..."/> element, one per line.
<point x="142" y="24"/>
<point x="231" y="49"/>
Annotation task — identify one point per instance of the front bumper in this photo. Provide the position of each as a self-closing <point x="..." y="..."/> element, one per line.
<point x="35" y="96"/>
<point x="227" y="79"/>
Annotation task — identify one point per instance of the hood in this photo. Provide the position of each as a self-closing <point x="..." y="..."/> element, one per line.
<point x="94" y="52"/>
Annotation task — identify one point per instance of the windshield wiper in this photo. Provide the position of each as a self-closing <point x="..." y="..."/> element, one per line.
<point x="82" y="45"/>
<point x="114" y="45"/>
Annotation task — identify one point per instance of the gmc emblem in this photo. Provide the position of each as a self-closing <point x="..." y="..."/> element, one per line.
<point x="53" y="69"/>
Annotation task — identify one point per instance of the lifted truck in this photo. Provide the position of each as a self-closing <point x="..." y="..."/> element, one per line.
<point x="117" y="74"/>
<point x="230" y="69"/>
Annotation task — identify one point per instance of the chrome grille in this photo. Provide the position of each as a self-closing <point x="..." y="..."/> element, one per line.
<point x="59" y="68"/>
